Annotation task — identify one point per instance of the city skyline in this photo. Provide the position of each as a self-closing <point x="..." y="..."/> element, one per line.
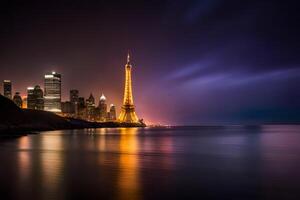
<point x="142" y="100"/>
<point x="23" y="91"/>
<point x="28" y="102"/>
<point x="231" y="61"/>
<point x="65" y="95"/>
<point x="76" y="106"/>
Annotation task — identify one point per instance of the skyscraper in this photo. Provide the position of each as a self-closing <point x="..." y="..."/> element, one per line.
<point x="18" y="100"/>
<point x="128" y="114"/>
<point x="35" y="98"/>
<point x="39" y="98"/>
<point x="30" y="98"/>
<point x="7" y="89"/>
<point x="112" y="112"/>
<point x="52" y="98"/>
<point x="103" y="108"/>
<point x="81" y="108"/>
<point x="74" y="95"/>
<point x="90" y="101"/>
<point x="81" y="101"/>
<point x="90" y="104"/>
<point x="67" y="109"/>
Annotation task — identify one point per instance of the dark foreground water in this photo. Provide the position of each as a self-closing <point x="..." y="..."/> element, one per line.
<point x="153" y="163"/>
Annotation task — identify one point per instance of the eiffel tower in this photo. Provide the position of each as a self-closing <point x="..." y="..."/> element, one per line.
<point x="128" y="114"/>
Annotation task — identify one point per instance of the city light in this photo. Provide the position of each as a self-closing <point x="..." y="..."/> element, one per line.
<point x="77" y="107"/>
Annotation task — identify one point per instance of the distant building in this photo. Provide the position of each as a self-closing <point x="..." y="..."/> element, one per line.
<point x="18" y="99"/>
<point x="97" y="114"/>
<point x="7" y="89"/>
<point x="108" y="116"/>
<point x="112" y="113"/>
<point x="52" y="98"/>
<point x="102" y="108"/>
<point x="35" y="98"/>
<point x="90" y="107"/>
<point x="81" y="102"/>
<point x="81" y="108"/>
<point x="24" y="105"/>
<point x="30" y="98"/>
<point x="67" y="109"/>
<point x="39" y="98"/>
<point x="90" y="101"/>
<point x="74" y="95"/>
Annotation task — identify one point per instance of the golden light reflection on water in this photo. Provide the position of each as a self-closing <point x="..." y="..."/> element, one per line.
<point x="24" y="143"/>
<point x="128" y="180"/>
<point x="41" y="160"/>
<point x="102" y="143"/>
<point x="51" y="160"/>
<point x="44" y="157"/>
<point x="24" y="159"/>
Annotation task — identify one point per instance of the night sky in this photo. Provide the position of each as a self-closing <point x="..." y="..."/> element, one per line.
<point x="194" y="62"/>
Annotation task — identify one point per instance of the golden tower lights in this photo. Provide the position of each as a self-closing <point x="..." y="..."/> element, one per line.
<point x="128" y="114"/>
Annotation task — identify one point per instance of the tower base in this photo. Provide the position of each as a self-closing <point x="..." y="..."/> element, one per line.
<point x="128" y="114"/>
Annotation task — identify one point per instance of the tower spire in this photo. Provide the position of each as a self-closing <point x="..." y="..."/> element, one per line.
<point x="128" y="58"/>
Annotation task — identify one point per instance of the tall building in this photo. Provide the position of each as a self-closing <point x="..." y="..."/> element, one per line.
<point x="39" y="98"/>
<point x="81" y="108"/>
<point x="103" y="108"/>
<point x="52" y="98"/>
<point x="90" y="105"/>
<point x="81" y="102"/>
<point x="128" y="114"/>
<point x="90" y="101"/>
<point x="7" y="89"/>
<point x="112" y="112"/>
<point x="35" y="98"/>
<point x="30" y="98"/>
<point x="67" y="109"/>
<point x="18" y="99"/>
<point x="74" y="95"/>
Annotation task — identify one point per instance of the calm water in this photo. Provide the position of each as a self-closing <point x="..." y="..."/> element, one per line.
<point x="154" y="163"/>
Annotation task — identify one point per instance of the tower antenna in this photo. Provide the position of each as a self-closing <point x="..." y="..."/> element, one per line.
<point x="128" y="58"/>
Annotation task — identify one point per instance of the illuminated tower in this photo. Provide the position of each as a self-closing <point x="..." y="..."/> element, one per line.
<point x="128" y="114"/>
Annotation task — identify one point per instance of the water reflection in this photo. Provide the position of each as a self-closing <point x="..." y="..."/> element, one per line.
<point x="24" y="159"/>
<point x="24" y="143"/>
<point x="280" y="160"/>
<point x="41" y="161"/>
<point x="51" y="161"/>
<point x="128" y="179"/>
<point x="149" y="163"/>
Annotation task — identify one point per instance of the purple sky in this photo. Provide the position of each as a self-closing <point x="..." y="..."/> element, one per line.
<point x="194" y="62"/>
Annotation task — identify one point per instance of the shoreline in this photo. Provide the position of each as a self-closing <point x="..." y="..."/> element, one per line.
<point x="10" y="132"/>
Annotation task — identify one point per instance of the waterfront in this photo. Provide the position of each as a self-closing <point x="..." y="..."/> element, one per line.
<point x="232" y="162"/>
